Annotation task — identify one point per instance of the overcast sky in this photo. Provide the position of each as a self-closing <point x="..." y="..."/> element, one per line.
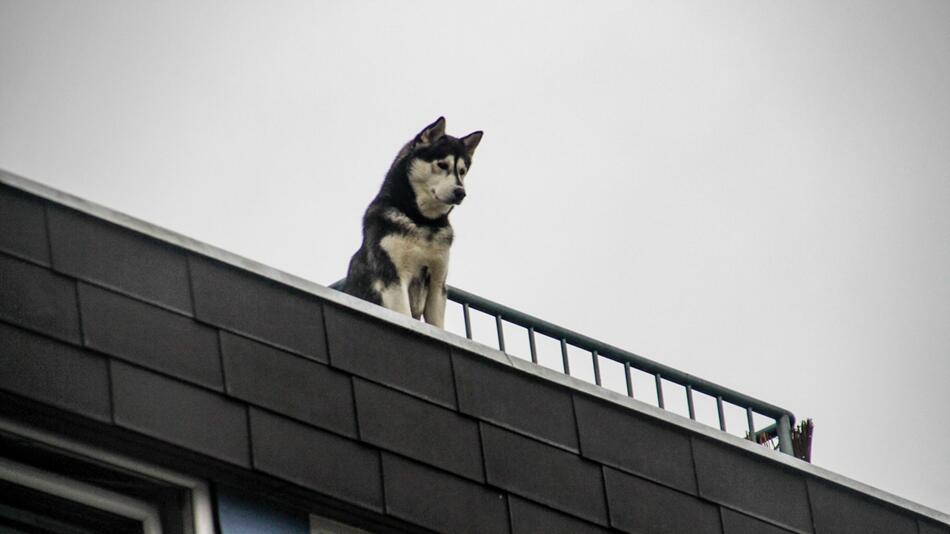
<point x="753" y="192"/>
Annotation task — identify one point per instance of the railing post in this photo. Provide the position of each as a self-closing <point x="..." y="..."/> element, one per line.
<point x="501" y="332"/>
<point x="468" y="320"/>
<point x="785" y="435"/>
<point x="564" y="360"/>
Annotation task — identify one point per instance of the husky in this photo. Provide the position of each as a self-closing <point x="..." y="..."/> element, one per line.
<point x="404" y="258"/>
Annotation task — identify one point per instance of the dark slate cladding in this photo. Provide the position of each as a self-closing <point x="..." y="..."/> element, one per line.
<point x="289" y="384"/>
<point x="150" y="336"/>
<point x="418" y="429"/>
<point x="258" y="308"/>
<point x="35" y="298"/>
<point x="514" y="400"/>
<point x="440" y="501"/>
<point x="736" y="523"/>
<point x="55" y="373"/>
<point x="384" y="353"/>
<point x="928" y="527"/>
<point x="632" y="442"/>
<point x="317" y="460"/>
<point x="752" y="485"/>
<point x="112" y="256"/>
<point x="544" y="474"/>
<point x="840" y="511"/>
<point x="530" y="518"/>
<point x="23" y="226"/>
<point x="112" y="337"/>
<point x="638" y="505"/>
<point x="179" y="413"/>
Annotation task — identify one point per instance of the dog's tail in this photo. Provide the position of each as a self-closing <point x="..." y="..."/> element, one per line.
<point x="338" y="285"/>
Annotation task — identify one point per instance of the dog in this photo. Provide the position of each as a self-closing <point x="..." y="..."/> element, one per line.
<point x="403" y="261"/>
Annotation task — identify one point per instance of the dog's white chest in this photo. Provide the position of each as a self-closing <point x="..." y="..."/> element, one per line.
<point x="411" y="253"/>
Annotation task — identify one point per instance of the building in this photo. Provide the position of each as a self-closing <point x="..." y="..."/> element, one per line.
<point x="150" y="383"/>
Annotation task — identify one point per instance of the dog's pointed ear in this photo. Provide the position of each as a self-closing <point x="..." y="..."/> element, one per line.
<point x="431" y="133"/>
<point x="471" y="141"/>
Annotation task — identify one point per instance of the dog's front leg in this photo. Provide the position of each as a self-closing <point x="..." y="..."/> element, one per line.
<point x="396" y="297"/>
<point x="435" y="302"/>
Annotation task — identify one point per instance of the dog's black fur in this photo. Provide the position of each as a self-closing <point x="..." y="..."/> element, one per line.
<point x="371" y="266"/>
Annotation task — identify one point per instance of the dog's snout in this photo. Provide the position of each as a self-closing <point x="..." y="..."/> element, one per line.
<point x="458" y="194"/>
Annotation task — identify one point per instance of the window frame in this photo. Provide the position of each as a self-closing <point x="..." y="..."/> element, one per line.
<point x="202" y="516"/>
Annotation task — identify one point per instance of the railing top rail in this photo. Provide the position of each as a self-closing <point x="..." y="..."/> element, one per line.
<point x="617" y="354"/>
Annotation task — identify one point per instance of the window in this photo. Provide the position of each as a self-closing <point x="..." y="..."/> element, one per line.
<point x="239" y="513"/>
<point x="52" y="484"/>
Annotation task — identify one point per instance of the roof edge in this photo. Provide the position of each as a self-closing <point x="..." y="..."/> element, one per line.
<point x="341" y="299"/>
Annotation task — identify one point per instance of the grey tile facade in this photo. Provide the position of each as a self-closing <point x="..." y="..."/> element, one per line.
<point x="179" y="413"/>
<point x="841" y="511"/>
<point x="288" y="384"/>
<point x="127" y="335"/>
<point x="640" y="505"/>
<point x="35" y="298"/>
<point x="258" y="308"/>
<point x="441" y="501"/>
<point x="402" y="360"/>
<point x="528" y="517"/>
<point x="54" y="373"/>
<point x="543" y="473"/>
<point x="315" y="459"/>
<point x="491" y="393"/>
<point x="23" y="226"/>
<point x="114" y="257"/>
<point x="150" y="336"/>
<point x="418" y="429"/>
<point x="758" y="488"/>
<point x="736" y="523"/>
<point x="659" y="452"/>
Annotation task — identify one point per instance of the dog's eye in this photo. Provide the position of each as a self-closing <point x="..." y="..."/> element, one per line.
<point x="461" y="172"/>
<point x="443" y="165"/>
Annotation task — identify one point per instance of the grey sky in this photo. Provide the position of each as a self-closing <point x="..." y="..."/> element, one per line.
<point x="755" y="193"/>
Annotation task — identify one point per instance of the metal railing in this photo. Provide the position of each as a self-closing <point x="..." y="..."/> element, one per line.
<point x="782" y="419"/>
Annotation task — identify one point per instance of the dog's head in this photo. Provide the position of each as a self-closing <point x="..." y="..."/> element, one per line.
<point x="437" y="165"/>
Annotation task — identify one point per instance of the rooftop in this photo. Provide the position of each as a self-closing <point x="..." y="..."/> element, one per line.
<point x="126" y="333"/>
